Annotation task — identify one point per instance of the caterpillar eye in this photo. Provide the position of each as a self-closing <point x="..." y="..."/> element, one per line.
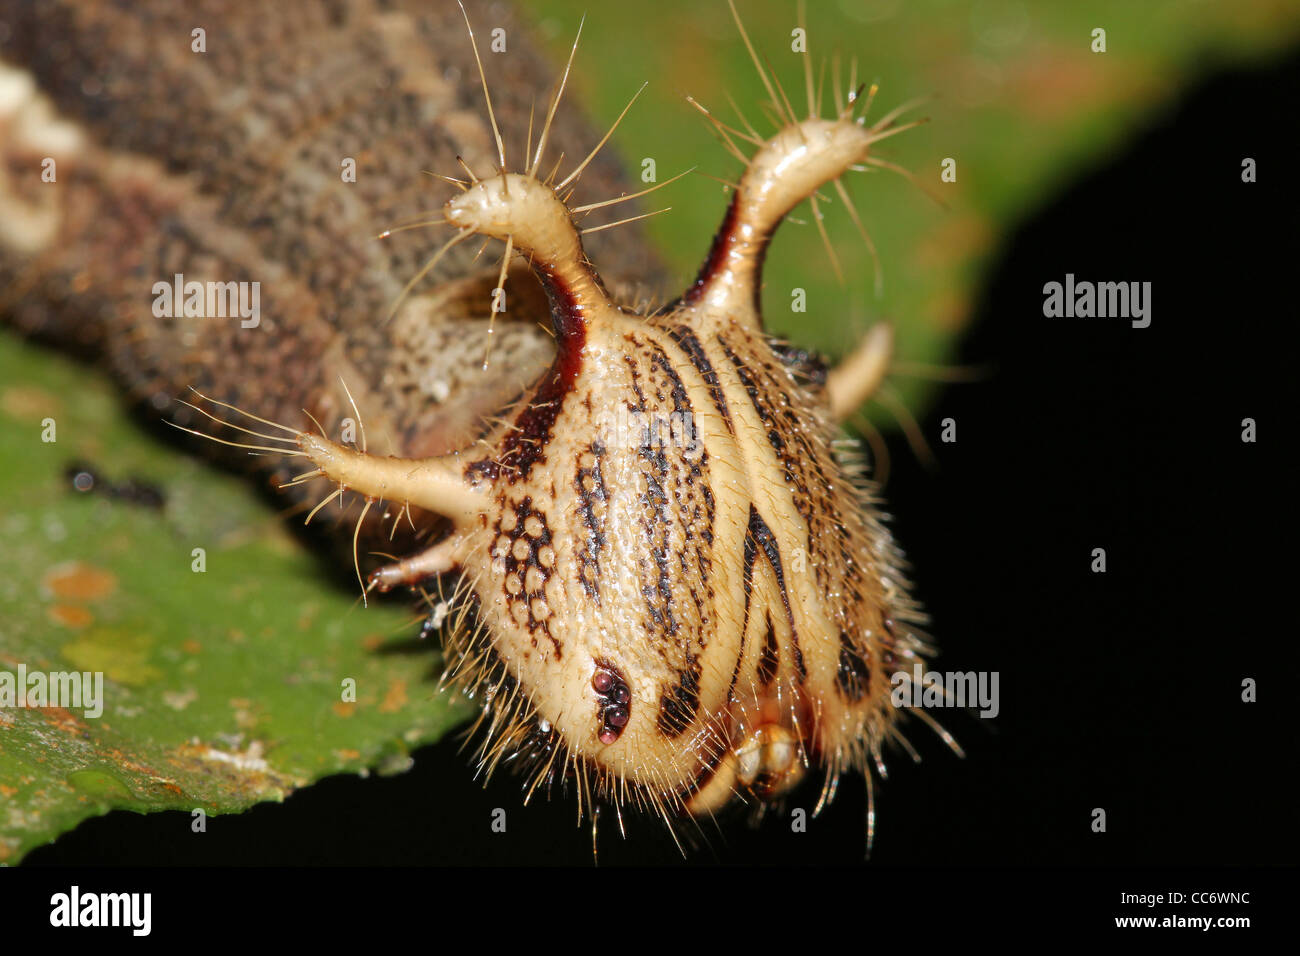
<point x="614" y="702"/>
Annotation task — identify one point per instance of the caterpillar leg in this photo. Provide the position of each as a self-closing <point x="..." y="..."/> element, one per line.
<point x="443" y="557"/>
<point x="861" y="372"/>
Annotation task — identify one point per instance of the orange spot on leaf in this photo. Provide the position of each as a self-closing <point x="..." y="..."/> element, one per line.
<point x="394" y="698"/>
<point x="79" y="581"/>
<point x="70" y="615"/>
<point x="29" y="403"/>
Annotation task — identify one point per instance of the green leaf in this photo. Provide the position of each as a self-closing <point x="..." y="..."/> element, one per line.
<point x="221" y="688"/>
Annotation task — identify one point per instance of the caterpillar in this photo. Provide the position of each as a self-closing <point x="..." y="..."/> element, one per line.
<point x="671" y="583"/>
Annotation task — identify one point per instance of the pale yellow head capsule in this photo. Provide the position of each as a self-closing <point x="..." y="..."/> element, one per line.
<point x="697" y="613"/>
<point x="684" y="594"/>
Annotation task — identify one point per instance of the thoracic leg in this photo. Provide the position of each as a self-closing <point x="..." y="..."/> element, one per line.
<point x="443" y="557"/>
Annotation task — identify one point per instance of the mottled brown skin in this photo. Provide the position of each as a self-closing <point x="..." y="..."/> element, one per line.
<point x="226" y="166"/>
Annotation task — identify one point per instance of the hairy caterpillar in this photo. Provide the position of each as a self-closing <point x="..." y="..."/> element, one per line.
<point x="680" y="602"/>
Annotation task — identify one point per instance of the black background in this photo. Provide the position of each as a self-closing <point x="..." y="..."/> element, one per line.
<point x="1119" y="690"/>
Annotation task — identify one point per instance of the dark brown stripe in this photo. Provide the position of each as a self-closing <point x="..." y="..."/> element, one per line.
<point x="588" y="553"/>
<point x="679" y="705"/>
<point x="690" y="345"/>
<point x="774" y="437"/>
<point x="716" y="262"/>
<point x="525" y="444"/>
<point x="770" y="660"/>
<point x="854" y="674"/>
<point x="659" y="598"/>
<point x="764" y="538"/>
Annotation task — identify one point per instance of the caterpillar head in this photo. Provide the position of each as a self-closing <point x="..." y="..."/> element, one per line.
<point x="677" y="588"/>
